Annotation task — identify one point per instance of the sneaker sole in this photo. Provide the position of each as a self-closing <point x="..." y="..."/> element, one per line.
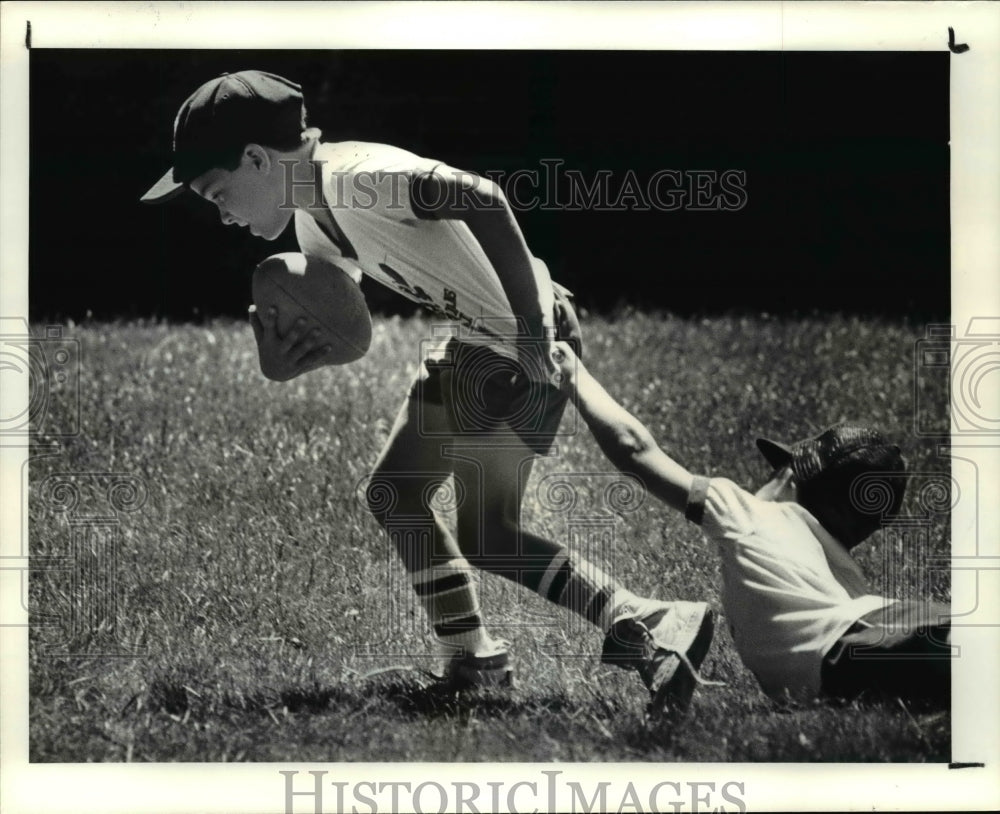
<point x="492" y="671"/>
<point x="674" y="695"/>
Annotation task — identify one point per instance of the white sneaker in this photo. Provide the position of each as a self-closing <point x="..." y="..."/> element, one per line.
<point x="485" y="668"/>
<point x="665" y="642"/>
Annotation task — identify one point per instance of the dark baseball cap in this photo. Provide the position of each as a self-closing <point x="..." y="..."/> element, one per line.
<point x="836" y="448"/>
<point x="224" y="115"/>
<point x="849" y="477"/>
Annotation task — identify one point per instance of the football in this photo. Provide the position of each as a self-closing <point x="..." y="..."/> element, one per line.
<point x="323" y="294"/>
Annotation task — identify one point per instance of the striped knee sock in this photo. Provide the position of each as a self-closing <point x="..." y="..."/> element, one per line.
<point x="585" y="589"/>
<point x="449" y="597"/>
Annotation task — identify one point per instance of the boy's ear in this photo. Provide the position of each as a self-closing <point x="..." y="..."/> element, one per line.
<point x="256" y="157"/>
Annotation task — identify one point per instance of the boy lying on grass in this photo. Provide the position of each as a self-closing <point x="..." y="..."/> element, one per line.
<point x="801" y="612"/>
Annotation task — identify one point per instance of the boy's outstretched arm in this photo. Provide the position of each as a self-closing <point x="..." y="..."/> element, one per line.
<point x="621" y="436"/>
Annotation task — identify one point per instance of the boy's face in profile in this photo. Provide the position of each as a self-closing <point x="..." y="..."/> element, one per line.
<point x="252" y="195"/>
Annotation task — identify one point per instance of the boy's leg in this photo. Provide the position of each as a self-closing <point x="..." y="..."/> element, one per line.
<point x="664" y="641"/>
<point x="494" y="467"/>
<point x="901" y="651"/>
<point x="494" y="471"/>
<point x="407" y="477"/>
<point x="496" y="438"/>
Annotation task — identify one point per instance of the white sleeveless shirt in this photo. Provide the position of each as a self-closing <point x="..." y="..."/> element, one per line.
<point x="790" y="589"/>
<point x="437" y="263"/>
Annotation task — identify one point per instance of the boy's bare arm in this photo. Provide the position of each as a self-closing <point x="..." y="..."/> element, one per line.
<point x="628" y="444"/>
<point x="480" y="203"/>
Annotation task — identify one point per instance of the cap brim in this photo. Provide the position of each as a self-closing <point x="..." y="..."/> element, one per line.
<point x="777" y="454"/>
<point x="163" y="190"/>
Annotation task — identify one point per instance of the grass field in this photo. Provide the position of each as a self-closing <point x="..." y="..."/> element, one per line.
<point x="260" y="590"/>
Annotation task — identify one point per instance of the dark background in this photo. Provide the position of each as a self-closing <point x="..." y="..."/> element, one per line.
<point x="845" y="154"/>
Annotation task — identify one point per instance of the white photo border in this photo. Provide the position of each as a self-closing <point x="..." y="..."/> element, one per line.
<point x="799" y="26"/>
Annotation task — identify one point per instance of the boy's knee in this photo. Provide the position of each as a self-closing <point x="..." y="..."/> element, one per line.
<point x="392" y="494"/>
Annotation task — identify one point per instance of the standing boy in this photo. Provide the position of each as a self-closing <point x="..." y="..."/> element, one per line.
<point x="482" y="404"/>
<point x="802" y="615"/>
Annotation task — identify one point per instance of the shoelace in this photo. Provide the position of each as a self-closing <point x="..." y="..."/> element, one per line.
<point x="683" y="657"/>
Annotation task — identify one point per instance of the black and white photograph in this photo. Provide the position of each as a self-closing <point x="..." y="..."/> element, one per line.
<point x="500" y="406"/>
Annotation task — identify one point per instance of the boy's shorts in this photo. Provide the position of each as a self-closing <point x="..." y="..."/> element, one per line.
<point x="473" y="383"/>
<point x="902" y="650"/>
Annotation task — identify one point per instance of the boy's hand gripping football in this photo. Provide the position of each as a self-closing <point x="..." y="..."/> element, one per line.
<point x="285" y="357"/>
